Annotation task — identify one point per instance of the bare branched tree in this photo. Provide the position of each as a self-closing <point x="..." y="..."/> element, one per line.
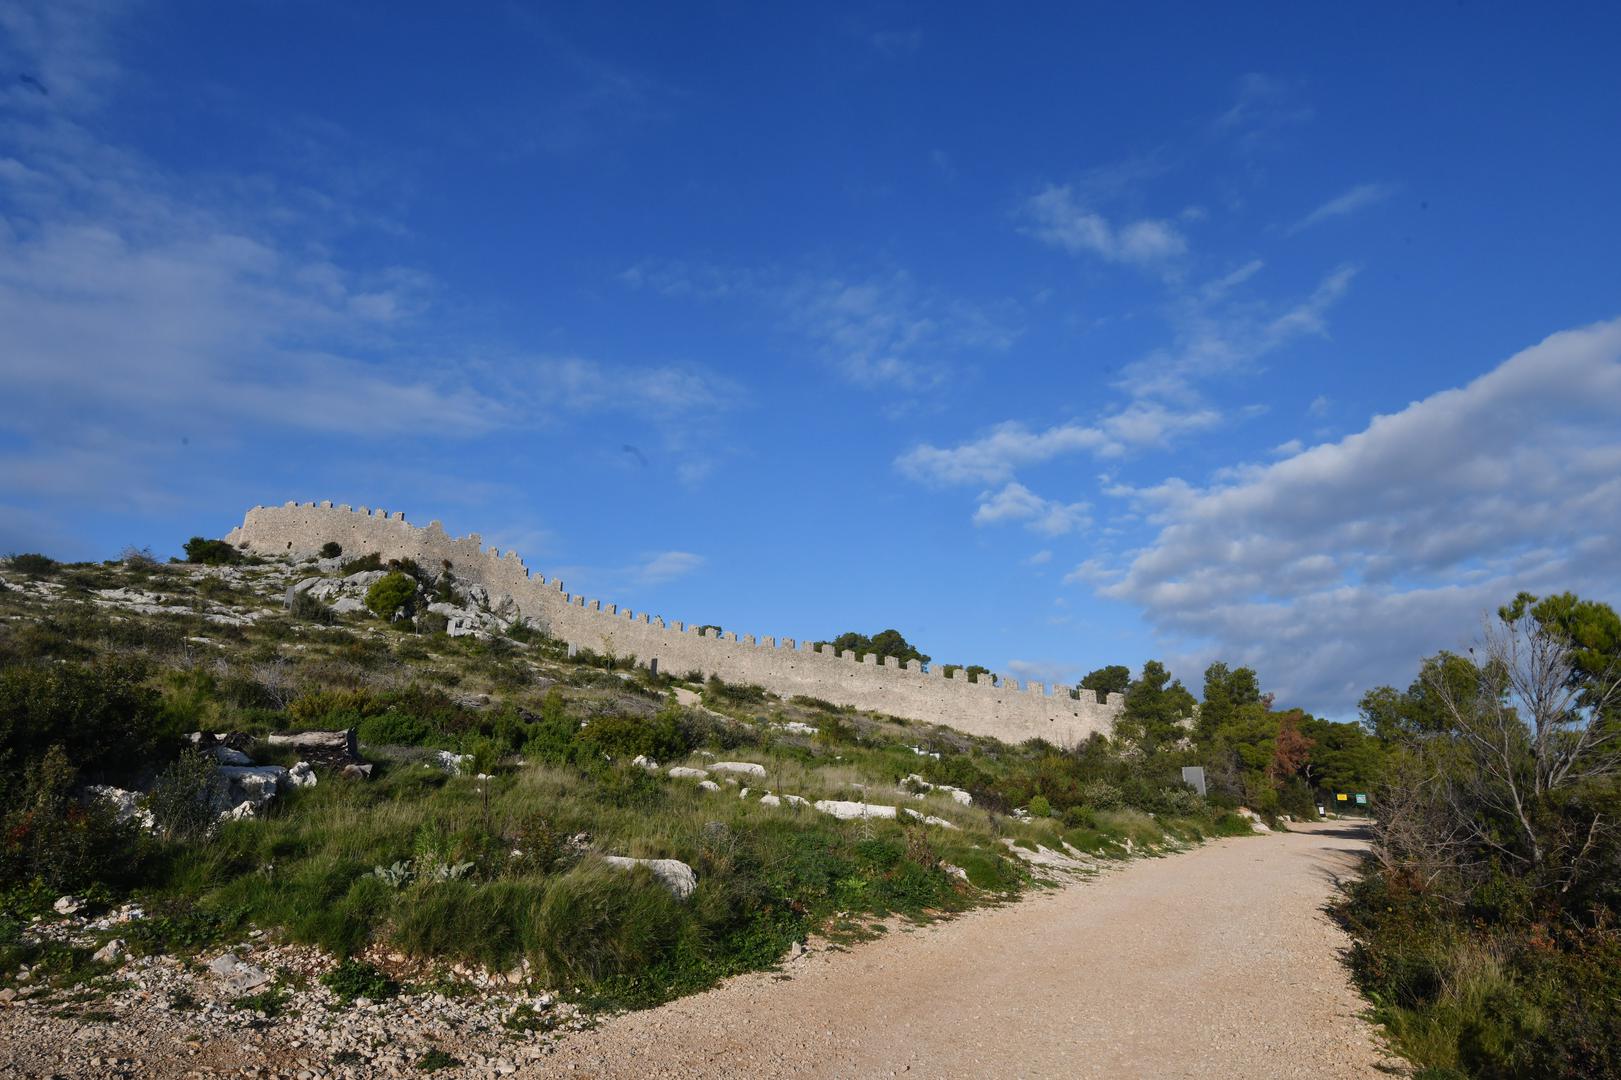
<point x="1532" y="731"/>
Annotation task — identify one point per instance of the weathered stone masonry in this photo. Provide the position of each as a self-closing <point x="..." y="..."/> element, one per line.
<point x="1000" y="709"/>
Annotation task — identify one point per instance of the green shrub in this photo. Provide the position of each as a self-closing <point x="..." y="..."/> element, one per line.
<point x="32" y="563"/>
<point x="47" y="835"/>
<point x="622" y="738"/>
<point x="353" y="979"/>
<point x="301" y="605"/>
<point x="211" y="552"/>
<point x="107" y="722"/>
<point x="331" y="549"/>
<point x="1101" y="795"/>
<point x="1040" y="808"/>
<point x="182" y="801"/>
<point x="370" y="561"/>
<point x="390" y="594"/>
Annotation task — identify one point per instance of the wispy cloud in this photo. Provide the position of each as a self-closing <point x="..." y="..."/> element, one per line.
<point x="1056" y="216"/>
<point x="666" y="566"/>
<point x="995" y="456"/>
<point x="1215" y="336"/>
<point x="1262" y="106"/>
<point x="1363" y="195"/>
<point x="883" y="331"/>
<point x="1050" y="672"/>
<point x="1015" y="502"/>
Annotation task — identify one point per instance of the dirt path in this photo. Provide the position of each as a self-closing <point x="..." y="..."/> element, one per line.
<point x="1217" y="962"/>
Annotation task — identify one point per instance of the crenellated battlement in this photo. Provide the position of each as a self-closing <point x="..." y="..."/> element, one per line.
<point x="995" y="706"/>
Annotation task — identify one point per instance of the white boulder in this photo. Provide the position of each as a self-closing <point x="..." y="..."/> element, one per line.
<point x="237" y="975"/>
<point x="301" y="775"/>
<point x="708" y="785"/>
<point x="110" y="953"/>
<point x="125" y="805"/>
<point x="845" y="810"/>
<point x="673" y="874"/>
<point x="739" y="768"/>
<point x="452" y="763"/>
<point x="254" y="785"/>
<point x="682" y="772"/>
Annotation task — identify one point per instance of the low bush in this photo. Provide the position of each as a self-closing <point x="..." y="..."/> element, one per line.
<point x="331" y="549"/>
<point x="32" y="564"/>
<point x="354" y="979"/>
<point x="182" y="801"/>
<point x="390" y="594"/>
<point x="211" y="552"/>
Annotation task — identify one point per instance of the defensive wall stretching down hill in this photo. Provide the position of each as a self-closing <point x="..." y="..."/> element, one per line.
<point x="997" y="707"/>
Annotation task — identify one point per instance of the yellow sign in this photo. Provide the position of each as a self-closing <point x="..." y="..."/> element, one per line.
<point x="1342" y="797"/>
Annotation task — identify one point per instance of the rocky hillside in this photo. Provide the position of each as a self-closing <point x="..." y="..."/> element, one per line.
<point x="339" y="817"/>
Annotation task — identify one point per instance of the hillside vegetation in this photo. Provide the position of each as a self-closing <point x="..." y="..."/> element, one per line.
<point x="506" y="776"/>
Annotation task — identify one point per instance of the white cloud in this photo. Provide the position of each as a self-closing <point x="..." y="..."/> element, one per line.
<point x="1056" y="216"/>
<point x="666" y="566"/>
<point x="1015" y="502"/>
<point x="1040" y="558"/>
<point x="1339" y="566"/>
<point x="1046" y="671"/>
<point x="993" y="458"/>
<point x="1348" y="202"/>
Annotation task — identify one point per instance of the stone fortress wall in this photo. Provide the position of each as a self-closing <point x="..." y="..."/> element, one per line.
<point x="998" y="708"/>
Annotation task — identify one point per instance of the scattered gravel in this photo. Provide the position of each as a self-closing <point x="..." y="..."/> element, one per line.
<point x="1214" y="963"/>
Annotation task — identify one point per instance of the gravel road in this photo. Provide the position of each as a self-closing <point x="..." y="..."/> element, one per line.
<point x="1217" y="962"/>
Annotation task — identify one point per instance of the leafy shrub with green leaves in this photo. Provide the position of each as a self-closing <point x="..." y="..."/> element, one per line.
<point x="48" y="835"/>
<point x="390" y="594"/>
<point x="104" y="717"/>
<point x="211" y="552"/>
<point x="182" y="801"/>
<point x="32" y="564"/>
<point x="353" y="979"/>
<point x="622" y="738"/>
<point x="331" y="549"/>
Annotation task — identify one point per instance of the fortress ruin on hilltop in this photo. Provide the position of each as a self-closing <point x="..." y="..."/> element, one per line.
<point x="995" y="706"/>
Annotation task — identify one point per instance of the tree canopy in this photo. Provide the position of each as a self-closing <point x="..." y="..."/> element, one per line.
<point x="1113" y="679"/>
<point x="884" y="643"/>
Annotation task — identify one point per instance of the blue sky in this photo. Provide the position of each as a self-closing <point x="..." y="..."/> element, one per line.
<point x="1057" y="339"/>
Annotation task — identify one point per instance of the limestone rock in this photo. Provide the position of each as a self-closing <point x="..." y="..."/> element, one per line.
<point x="250" y="786"/>
<point x="673" y="874"/>
<point x="110" y="953"/>
<point x="452" y="763"/>
<point x="68" y="905"/>
<point x="125" y="805"/>
<point x="739" y="768"/>
<point x="642" y="761"/>
<point x="301" y="775"/>
<point x="236" y="975"/>
<point x="708" y="785"/>
<point x="682" y="772"/>
<point x="845" y="810"/>
<point x="1256" y="824"/>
